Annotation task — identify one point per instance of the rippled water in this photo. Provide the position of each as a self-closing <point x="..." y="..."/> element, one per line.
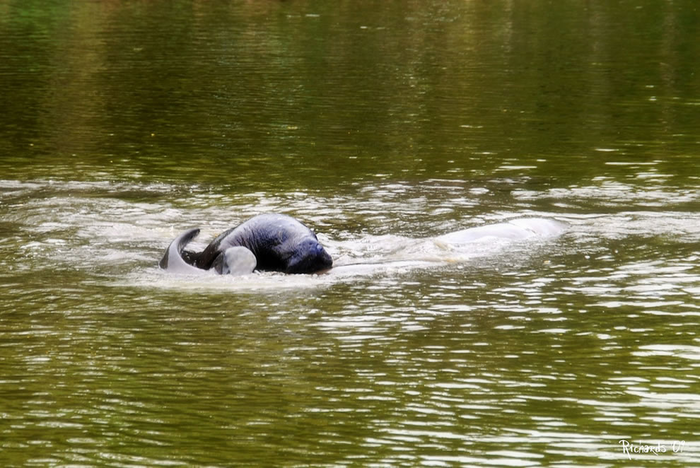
<point x="539" y="351"/>
<point x="382" y="127"/>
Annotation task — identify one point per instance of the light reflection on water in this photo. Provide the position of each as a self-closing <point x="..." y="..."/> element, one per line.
<point x="544" y="350"/>
<point x="382" y="125"/>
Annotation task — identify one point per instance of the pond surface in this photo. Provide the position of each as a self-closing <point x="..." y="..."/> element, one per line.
<point x="381" y="125"/>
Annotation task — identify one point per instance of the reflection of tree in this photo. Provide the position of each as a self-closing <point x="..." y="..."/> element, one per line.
<point x="287" y="88"/>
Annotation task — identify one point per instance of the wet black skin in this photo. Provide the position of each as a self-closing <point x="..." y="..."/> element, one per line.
<point x="279" y="243"/>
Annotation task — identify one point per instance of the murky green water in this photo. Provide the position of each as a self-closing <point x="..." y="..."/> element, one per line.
<point x="381" y="125"/>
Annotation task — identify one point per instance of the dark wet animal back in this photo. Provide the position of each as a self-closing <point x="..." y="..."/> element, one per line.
<point x="279" y="243"/>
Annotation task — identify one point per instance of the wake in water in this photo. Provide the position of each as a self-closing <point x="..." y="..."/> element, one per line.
<point x="277" y="240"/>
<point x="116" y="233"/>
<point x="71" y="226"/>
<point x="371" y="255"/>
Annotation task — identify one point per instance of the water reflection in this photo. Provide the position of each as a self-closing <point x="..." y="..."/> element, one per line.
<point x="125" y="123"/>
<point x="294" y="94"/>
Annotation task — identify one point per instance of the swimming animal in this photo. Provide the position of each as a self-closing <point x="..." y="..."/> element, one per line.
<point x="275" y="242"/>
<point x="515" y="229"/>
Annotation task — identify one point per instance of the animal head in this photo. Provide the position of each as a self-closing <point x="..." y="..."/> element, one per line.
<point x="309" y="257"/>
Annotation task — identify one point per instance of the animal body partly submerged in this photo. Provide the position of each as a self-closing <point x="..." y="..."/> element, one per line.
<point x="277" y="243"/>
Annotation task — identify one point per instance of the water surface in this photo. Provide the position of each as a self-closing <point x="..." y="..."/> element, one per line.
<point x="379" y="125"/>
